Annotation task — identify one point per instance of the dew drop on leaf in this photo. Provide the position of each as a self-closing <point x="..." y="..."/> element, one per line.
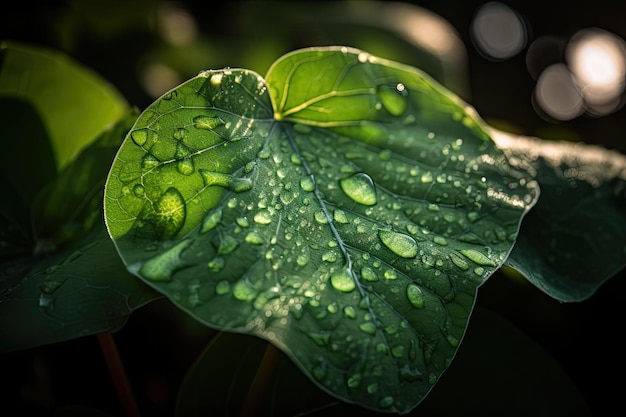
<point x="360" y="188"/>
<point x="415" y="296"/>
<point x="399" y="243"/>
<point x="343" y="281"/>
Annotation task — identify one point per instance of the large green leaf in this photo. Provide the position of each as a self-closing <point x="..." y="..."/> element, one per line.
<point x="574" y="239"/>
<point x="345" y="208"/>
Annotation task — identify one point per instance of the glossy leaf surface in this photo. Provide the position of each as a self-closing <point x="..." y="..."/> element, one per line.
<point x="345" y="208"/>
<point x="574" y="239"/>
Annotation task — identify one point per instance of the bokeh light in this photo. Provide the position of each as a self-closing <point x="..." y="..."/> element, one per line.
<point x="584" y="74"/>
<point x="497" y="31"/>
<point x="597" y="60"/>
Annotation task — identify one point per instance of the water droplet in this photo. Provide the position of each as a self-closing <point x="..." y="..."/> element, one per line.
<point x="330" y="256"/>
<point x="408" y="374"/>
<point x="302" y="260"/>
<point x="368" y="327"/>
<point x="244" y="291"/>
<point x="233" y="183"/>
<point x="207" y="122"/>
<point x="415" y="296"/>
<point x="227" y="244"/>
<point x="354" y="381"/>
<point x="343" y="281"/>
<point x="386" y="402"/>
<point x="320" y="217"/>
<point x="222" y="287"/>
<point x="360" y="188"/>
<point x="319" y="370"/>
<point x="139" y="190"/>
<point x="320" y="338"/>
<point x="139" y="136"/>
<point x="453" y="341"/>
<point x="372" y="388"/>
<point x="170" y="211"/>
<point x="368" y="274"/>
<point x="149" y="162"/>
<point x="440" y="240"/>
<point x="340" y="216"/>
<point x="263" y="217"/>
<point x="426" y="177"/>
<point x="162" y="266"/>
<point x="477" y="257"/>
<point x="397" y="351"/>
<point x="211" y="220"/>
<point x="254" y="238"/>
<point x="307" y="184"/>
<point x="349" y="312"/>
<point x="185" y="166"/>
<point x="216" y="264"/>
<point x="390" y="274"/>
<point x="393" y="98"/>
<point x="399" y="243"/>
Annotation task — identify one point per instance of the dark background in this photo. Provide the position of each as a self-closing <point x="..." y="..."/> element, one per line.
<point x="585" y="337"/>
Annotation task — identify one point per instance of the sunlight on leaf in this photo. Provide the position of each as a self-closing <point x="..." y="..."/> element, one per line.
<point x="574" y="239"/>
<point x="345" y="208"/>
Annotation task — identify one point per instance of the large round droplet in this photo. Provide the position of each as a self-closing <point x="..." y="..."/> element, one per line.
<point x="343" y="281"/>
<point x="399" y="243"/>
<point x="170" y="211"/>
<point x="415" y="296"/>
<point x="360" y="188"/>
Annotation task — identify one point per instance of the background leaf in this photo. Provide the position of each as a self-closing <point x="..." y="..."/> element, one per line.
<point x="575" y="237"/>
<point x="84" y="291"/>
<point x="354" y="243"/>
<point x="63" y="93"/>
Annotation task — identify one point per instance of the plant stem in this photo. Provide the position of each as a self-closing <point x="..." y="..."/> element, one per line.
<point x="261" y="381"/>
<point x="118" y="374"/>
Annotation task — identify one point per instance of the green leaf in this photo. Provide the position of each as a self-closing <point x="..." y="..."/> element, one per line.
<point x="345" y="208"/>
<point x="83" y="291"/>
<point x="63" y="93"/>
<point x="70" y="282"/>
<point x="574" y="239"/>
<point x="219" y="381"/>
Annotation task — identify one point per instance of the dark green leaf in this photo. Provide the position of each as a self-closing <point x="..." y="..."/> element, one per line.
<point x="72" y="283"/>
<point x="84" y="291"/>
<point x="346" y="209"/>
<point x="574" y="239"/>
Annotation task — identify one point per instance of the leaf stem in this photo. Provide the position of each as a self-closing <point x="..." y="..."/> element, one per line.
<point x="261" y="381"/>
<point x="118" y="374"/>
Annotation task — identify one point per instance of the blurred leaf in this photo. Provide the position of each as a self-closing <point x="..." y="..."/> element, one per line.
<point x="74" y="103"/>
<point x="71" y="204"/>
<point x="26" y="156"/>
<point x="348" y="216"/>
<point x="85" y="290"/>
<point x="574" y="239"/>
<point x="72" y="283"/>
